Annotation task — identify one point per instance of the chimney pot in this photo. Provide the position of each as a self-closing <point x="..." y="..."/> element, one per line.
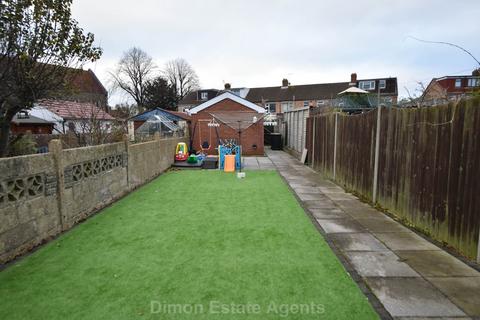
<point x="227" y="86"/>
<point x="353" y="78"/>
<point x="285" y="83"/>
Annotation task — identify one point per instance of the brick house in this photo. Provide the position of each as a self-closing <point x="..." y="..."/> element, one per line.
<point x="24" y="122"/>
<point x="72" y="116"/>
<point x="232" y="114"/>
<point x="197" y="97"/>
<point x="289" y="97"/>
<point x="451" y="88"/>
<point x="84" y="86"/>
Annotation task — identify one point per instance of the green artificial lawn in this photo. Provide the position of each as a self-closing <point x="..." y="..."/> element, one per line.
<point x="200" y="245"/>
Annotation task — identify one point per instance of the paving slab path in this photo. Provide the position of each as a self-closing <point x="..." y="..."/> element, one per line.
<point x="411" y="277"/>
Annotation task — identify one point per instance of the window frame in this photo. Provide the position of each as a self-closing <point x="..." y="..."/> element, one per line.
<point x="268" y="106"/>
<point x="458" y="80"/>
<point x="320" y="103"/>
<point x="371" y="83"/>
<point x="203" y="95"/>
<point x="384" y="81"/>
<point x="473" y="82"/>
<point x="287" y="105"/>
<point x="306" y="104"/>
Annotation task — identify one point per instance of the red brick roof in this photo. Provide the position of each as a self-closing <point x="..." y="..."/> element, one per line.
<point x="85" y="81"/>
<point x="75" y="110"/>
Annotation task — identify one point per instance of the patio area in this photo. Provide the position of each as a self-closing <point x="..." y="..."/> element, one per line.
<point x="188" y="245"/>
<point x="409" y="276"/>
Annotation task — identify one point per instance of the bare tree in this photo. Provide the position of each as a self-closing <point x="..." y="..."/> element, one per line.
<point x="181" y="76"/>
<point x="134" y="70"/>
<point x="91" y="127"/>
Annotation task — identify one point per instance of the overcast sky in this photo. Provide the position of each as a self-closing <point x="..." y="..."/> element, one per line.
<point x="257" y="43"/>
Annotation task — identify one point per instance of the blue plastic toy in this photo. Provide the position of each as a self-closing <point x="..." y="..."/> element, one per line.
<point x="223" y="150"/>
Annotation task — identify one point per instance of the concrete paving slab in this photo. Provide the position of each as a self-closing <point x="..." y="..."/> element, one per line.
<point x="308" y="190"/>
<point x="405" y="241"/>
<point x="437" y="264"/>
<point x="382" y="224"/>
<point x="340" y="225"/>
<point x="319" y="204"/>
<point x="363" y="212"/>
<point x="341" y="196"/>
<point x="412" y="297"/>
<point x="359" y="231"/>
<point x="264" y="160"/>
<point x="266" y="167"/>
<point x="303" y="184"/>
<point x="331" y="190"/>
<point x="357" y="242"/>
<point x="309" y="196"/>
<point x="463" y="291"/>
<point x="379" y="264"/>
<point x="328" y="213"/>
<point x="351" y="204"/>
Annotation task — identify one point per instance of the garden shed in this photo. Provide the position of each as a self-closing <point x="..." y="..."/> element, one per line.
<point x="227" y="118"/>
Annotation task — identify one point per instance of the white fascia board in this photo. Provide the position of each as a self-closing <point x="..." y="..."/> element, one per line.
<point x="223" y="96"/>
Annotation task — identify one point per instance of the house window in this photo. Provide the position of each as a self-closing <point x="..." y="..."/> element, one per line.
<point x="306" y="104"/>
<point x="458" y="83"/>
<point x="473" y="82"/>
<point x="382" y="84"/>
<point x="320" y="103"/>
<point x="204" y="95"/>
<point x="287" y="106"/>
<point x="23" y="115"/>
<point x="367" y="85"/>
<point x="271" y="107"/>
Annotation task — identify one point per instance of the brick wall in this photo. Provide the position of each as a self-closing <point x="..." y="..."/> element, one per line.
<point x="249" y="137"/>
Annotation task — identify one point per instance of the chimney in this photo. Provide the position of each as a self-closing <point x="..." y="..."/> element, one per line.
<point x="353" y="79"/>
<point x="227" y="86"/>
<point x="285" y="83"/>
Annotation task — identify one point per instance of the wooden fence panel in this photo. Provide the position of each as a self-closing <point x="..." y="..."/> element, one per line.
<point x="356" y="152"/>
<point x="429" y="162"/>
<point x="324" y="130"/>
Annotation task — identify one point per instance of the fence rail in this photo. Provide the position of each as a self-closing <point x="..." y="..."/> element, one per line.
<point x="427" y="159"/>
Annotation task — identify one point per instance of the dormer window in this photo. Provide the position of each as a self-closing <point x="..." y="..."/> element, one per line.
<point x="23" y="115"/>
<point x="204" y="95"/>
<point x="367" y="85"/>
<point x="458" y="83"/>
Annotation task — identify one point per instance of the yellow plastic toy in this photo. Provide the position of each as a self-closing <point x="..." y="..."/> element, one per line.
<point x="181" y="152"/>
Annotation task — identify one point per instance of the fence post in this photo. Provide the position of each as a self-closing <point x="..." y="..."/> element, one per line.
<point x="55" y="148"/>
<point x="335" y="147"/>
<point x="126" y="141"/>
<point x="478" y="249"/>
<point x="377" y="151"/>
<point x="313" y="140"/>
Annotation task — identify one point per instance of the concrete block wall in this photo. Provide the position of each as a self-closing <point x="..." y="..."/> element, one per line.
<point x="43" y="195"/>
